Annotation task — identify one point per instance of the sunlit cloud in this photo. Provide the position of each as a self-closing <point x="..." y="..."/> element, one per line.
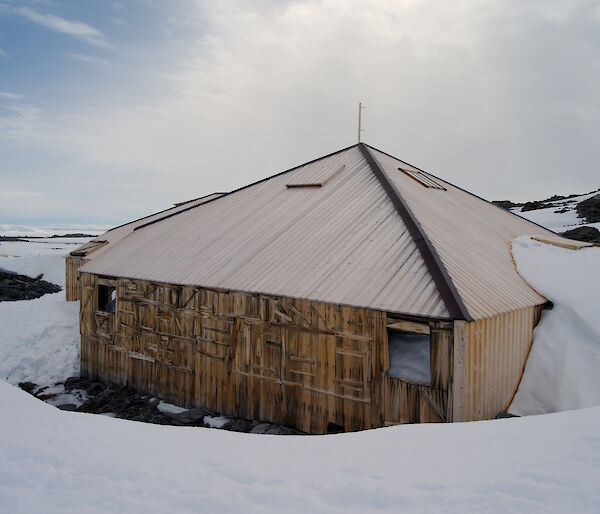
<point x="498" y="97"/>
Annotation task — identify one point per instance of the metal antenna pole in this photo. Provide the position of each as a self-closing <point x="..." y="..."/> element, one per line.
<point x="360" y="108"/>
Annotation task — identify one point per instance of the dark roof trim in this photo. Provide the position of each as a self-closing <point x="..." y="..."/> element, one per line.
<point x="448" y="291"/>
<point x="463" y="190"/>
<point x="245" y="187"/>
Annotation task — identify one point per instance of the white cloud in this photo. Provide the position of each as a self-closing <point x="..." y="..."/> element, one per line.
<point x="75" y="29"/>
<point x="489" y="95"/>
<point x="19" y="121"/>
<point x="90" y="59"/>
<point x="10" y="96"/>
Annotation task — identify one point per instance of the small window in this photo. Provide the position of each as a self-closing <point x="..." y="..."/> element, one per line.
<point x="409" y="357"/>
<point x="107" y="298"/>
<point x="423" y="178"/>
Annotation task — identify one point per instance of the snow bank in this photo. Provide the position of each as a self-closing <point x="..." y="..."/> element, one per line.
<point x="53" y="461"/>
<point x="563" y="369"/>
<point x="39" y="339"/>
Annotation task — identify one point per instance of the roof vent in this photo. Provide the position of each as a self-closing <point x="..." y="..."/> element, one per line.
<point x="313" y="176"/>
<point x="423" y="178"/>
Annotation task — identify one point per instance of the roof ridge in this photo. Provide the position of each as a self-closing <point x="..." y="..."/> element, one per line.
<point x="460" y="188"/>
<point x="435" y="266"/>
<point x="246" y="186"/>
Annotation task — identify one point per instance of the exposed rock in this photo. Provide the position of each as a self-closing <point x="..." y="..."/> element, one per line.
<point x="260" y="428"/>
<point x="505" y="415"/>
<point x="120" y="401"/>
<point x="533" y="206"/>
<point x="28" y="387"/>
<point x="238" y="425"/>
<point x="189" y="417"/>
<point x="589" y="209"/>
<point x="14" y="287"/>
<point x="585" y="233"/>
<point x="506" y="204"/>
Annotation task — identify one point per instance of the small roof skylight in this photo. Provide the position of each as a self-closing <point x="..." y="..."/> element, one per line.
<point x="314" y="176"/>
<point x="423" y="178"/>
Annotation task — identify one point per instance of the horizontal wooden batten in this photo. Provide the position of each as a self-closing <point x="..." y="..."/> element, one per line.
<point x="409" y="326"/>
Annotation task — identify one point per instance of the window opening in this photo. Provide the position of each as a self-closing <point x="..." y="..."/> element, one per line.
<point x="107" y="298"/>
<point x="409" y="357"/>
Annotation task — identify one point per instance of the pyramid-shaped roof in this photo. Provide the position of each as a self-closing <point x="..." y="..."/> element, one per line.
<point x="357" y="227"/>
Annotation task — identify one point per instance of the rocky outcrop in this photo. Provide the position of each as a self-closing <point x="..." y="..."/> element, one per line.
<point x="589" y="209"/>
<point x="123" y="402"/>
<point x="533" y="206"/>
<point x="15" y="287"/>
<point x="585" y="233"/>
<point x="506" y="204"/>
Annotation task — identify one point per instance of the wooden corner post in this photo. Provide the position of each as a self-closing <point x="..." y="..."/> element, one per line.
<point x="458" y="386"/>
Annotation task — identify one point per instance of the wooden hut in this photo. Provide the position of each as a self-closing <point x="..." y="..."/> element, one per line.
<point x="354" y="291"/>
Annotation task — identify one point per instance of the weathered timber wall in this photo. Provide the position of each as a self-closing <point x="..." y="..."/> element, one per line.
<point x="284" y="360"/>
<point x="495" y="354"/>
<point x="72" y="265"/>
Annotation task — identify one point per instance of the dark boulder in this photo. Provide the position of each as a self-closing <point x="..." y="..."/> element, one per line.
<point x="585" y="233"/>
<point x="506" y="204"/>
<point x="14" y="287"/>
<point x="534" y="206"/>
<point x="589" y="209"/>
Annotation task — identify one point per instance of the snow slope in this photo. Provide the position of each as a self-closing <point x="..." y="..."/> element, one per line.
<point x="54" y="461"/>
<point x="563" y="368"/>
<point x="39" y="339"/>
<point x="559" y="221"/>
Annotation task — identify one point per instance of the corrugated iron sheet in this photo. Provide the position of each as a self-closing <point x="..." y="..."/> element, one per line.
<point x="100" y="244"/>
<point x="495" y="355"/>
<point x="473" y="239"/>
<point x="341" y="243"/>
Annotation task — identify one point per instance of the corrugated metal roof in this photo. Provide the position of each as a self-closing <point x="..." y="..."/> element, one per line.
<point x="101" y="243"/>
<point x="343" y="242"/>
<point x="473" y="239"/>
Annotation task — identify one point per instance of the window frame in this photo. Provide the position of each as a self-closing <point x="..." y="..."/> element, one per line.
<point x="105" y="291"/>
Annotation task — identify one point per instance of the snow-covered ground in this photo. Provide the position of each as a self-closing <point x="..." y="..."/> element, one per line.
<point x="563" y="368"/>
<point x="559" y="221"/>
<point x="54" y="461"/>
<point x="39" y="339"/>
<point x="57" y="461"/>
<point x="8" y="230"/>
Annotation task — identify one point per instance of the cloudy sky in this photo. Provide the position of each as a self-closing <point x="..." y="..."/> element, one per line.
<point x="110" y="110"/>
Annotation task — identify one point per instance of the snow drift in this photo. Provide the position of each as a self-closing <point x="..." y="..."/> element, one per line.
<point x="563" y="369"/>
<point x="56" y="461"/>
<point x="39" y="339"/>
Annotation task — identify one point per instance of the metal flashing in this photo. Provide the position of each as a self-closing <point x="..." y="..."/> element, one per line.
<point x="442" y="279"/>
